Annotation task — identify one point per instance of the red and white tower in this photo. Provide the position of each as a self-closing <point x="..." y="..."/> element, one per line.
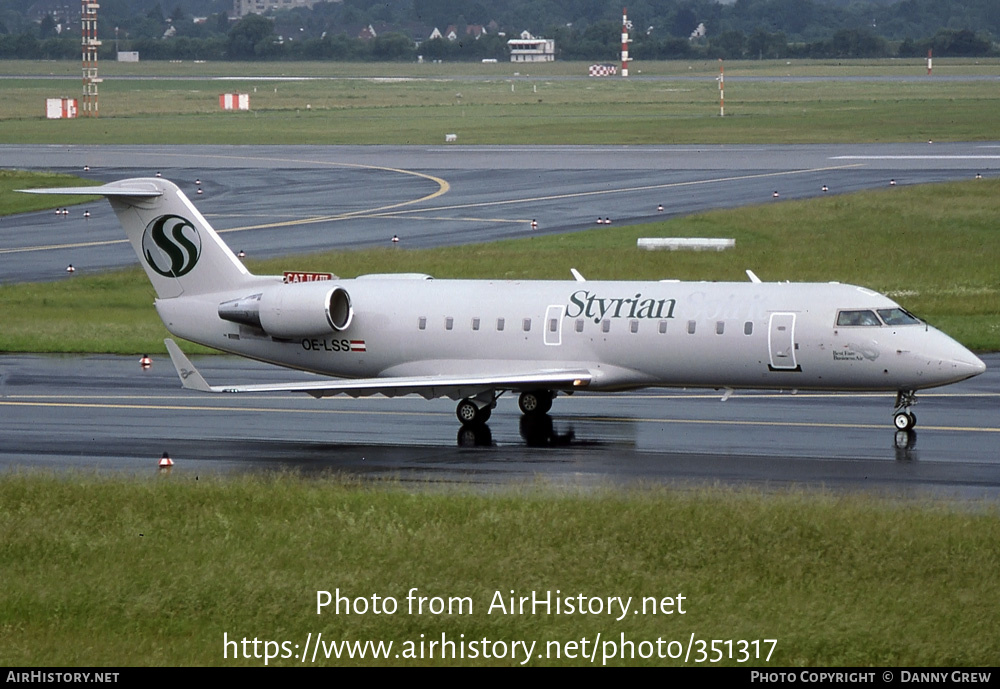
<point x="88" y="24"/>
<point x="624" y="43"/>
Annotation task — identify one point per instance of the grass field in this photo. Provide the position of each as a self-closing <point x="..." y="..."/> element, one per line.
<point x="151" y="571"/>
<point x="487" y="104"/>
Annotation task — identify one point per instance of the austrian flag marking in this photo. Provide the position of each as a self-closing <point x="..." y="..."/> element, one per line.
<point x="358" y="346"/>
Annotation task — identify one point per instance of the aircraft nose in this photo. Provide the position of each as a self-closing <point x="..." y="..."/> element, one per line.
<point x="977" y="366"/>
<point x="958" y="363"/>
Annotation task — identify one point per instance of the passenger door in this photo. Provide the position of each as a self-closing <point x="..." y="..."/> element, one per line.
<point x="781" y="342"/>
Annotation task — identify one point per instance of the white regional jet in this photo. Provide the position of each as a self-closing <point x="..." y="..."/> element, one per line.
<point x="472" y="340"/>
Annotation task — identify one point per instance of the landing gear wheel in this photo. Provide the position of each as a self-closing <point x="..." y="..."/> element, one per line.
<point x="535" y="402"/>
<point x="470" y="414"/>
<point x="904" y="421"/>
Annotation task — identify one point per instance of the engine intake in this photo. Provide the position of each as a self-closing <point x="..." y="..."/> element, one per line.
<point x="305" y="309"/>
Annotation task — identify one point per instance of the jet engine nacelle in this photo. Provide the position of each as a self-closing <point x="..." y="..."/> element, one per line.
<point x="305" y="309"/>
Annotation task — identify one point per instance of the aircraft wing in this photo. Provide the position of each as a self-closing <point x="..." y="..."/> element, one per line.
<point x="453" y="386"/>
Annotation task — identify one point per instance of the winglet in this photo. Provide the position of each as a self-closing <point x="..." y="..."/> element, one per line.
<point x="190" y="378"/>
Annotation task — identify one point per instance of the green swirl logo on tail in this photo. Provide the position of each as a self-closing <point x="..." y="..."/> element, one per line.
<point x="171" y="245"/>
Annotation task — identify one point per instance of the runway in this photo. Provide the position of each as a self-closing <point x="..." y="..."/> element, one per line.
<point x="278" y="201"/>
<point x="104" y="413"/>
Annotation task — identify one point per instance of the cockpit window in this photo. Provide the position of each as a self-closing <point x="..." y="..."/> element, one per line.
<point x="898" y="317"/>
<point x="860" y="317"/>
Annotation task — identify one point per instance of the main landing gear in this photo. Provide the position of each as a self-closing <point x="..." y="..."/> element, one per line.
<point x="535" y="402"/>
<point x="475" y="411"/>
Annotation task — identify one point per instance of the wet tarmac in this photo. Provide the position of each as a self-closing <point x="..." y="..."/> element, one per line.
<point x="106" y="414"/>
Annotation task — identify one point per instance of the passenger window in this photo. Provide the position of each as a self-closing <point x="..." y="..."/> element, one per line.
<point x="748" y="328"/>
<point x="422" y="323"/>
<point x="691" y="327"/>
<point x="500" y="324"/>
<point x="579" y="325"/>
<point x="475" y="323"/>
<point x="449" y="323"/>
<point x="861" y="317"/>
<point x="605" y="325"/>
<point x="553" y="325"/>
<point x="720" y="327"/>
<point x="526" y="324"/>
<point x="663" y="327"/>
<point x="633" y="326"/>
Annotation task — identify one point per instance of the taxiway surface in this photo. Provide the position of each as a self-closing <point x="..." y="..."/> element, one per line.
<point x="280" y="200"/>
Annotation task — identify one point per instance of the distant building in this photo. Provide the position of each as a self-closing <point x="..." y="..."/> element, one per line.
<point x="242" y="8"/>
<point x="57" y="9"/>
<point x="531" y="49"/>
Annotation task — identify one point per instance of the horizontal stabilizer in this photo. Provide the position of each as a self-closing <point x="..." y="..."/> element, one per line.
<point x="134" y="189"/>
<point x="175" y="244"/>
<point x="425" y="386"/>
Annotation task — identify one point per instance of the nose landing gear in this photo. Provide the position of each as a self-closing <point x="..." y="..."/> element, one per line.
<point x="904" y="419"/>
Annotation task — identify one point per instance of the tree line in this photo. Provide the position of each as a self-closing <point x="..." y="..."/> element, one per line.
<point x="661" y="29"/>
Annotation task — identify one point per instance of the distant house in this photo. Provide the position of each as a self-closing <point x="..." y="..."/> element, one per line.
<point x="452" y="32"/>
<point x="57" y="9"/>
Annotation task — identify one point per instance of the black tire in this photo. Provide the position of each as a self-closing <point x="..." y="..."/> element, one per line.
<point x="535" y="402"/>
<point x="471" y="415"/>
<point x="904" y="421"/>
<point x="467" y="412"/>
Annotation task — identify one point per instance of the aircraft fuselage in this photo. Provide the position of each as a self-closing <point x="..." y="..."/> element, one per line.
<point x="629" y="334"/>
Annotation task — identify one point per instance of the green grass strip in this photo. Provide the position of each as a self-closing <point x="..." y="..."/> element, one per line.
<point x="154" y="572"/>
<point x="487" y="104"/>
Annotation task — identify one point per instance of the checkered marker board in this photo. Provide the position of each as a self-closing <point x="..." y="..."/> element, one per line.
<point x="602" y="70"/>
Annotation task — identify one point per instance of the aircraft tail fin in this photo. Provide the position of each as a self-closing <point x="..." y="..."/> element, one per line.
<point x="179" y="250"/>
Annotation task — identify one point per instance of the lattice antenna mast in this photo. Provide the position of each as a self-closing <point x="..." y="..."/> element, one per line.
<point x="89" y="42"/>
